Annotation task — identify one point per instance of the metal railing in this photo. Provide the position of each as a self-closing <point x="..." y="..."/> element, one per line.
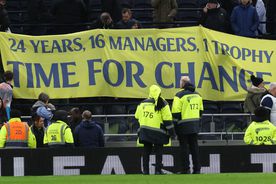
<point x="224" y="135"/>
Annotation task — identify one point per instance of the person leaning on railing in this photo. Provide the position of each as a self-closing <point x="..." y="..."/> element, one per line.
<point x="261" y="131"/>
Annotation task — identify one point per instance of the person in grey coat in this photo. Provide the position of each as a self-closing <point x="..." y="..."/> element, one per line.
<point x="164" y="12"/>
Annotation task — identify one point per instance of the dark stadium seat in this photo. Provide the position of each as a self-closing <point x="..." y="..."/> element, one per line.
<point x="117" y="125"/>
<point x="133" y="123"/>
<point x="233" y="123"/>
<point x="13" y="5"/>
<point x="206" y="121"/>
<point x="142" y="4"/>
<point x="231" y="107"/>
<point x="187" y="3"/>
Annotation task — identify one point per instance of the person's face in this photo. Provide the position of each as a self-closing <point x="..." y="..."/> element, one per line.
<point x="39" y="123"/>
<point x="212" y="5"/>
<point x="126" y="16"/>
<point x="135" y="26"/>
<point x="2" y="2"/>
<point x="245" y="2"/>
<point x="273" y="91"/>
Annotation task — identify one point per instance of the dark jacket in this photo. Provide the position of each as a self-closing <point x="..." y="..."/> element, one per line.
<point x="126" y="25"/>
<point x="88" y="134"/>
<point x="164" y="10"/>
<point x="253" y="99"/>
<point x="39" y="135"/>
<point x="216" y="19"/>
<point x="271" y="17"/>
<point x="4" y="19"/>
<point x="245" y="20"/>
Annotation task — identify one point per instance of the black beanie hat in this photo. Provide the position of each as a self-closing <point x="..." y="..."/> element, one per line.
<point x="61" y="115"/>
<point x="261" y="114"/>
<point x="256" y="81"/>
<point x="213" y="1"/>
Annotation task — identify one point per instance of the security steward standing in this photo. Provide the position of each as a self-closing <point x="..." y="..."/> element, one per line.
<point x="16" y="134"/>
<point x="261" y="131"/>
<point x="59" y="134"/>
<point x="156" y="127"/>
<point x="187" y="109"/>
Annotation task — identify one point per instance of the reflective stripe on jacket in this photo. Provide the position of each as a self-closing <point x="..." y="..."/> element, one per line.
<point x="17" y="134"/>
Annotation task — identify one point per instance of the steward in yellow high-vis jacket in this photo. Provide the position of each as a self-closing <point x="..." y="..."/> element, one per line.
<point x="261" y="131"/>
<point x="59" y="134"/>
<point x="187" y="110"/>
<point x="16" y="134"/>
<point x="156" y="127"/>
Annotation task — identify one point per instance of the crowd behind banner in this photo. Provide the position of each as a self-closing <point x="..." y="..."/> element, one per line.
<point x="75" y="16"/>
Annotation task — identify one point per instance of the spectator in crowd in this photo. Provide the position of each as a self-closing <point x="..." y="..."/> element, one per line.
<point x="187" y="109"/>
<point x="38" y="13"/>
<point x="16" y="134"/>
<point x="269" y="102"/>
<point x="261" y="131"/>
<point x="164" y="12"/>
<point x="88" y="133"/>
<point x="59" y="134"/>
<point x="229" y="5"/>
<point x="271" y="17"/>
<point x="113" y="7"/>
<point x="69" y="12"/>
<point x="155" y="121"/>
<point x="3" y="115"/>
<point x="254" y="94"/>
<point x="43" y="108"/>
<point x="75" y="118"/>
<point x="261" y="10"/>
<point x="105" y="21"/>
<point x="38" y="130"/>
<point x="136" y="25"/>
<point x="127" y="21"/>
<point x="244" y="19"/>
<point x="6" y="92"/>
<point x="4" y="18"/>
<point x="215" y="17"/>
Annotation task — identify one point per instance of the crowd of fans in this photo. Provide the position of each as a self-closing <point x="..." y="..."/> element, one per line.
<point x="242" y="17"/>
<point x="49" y="126"/>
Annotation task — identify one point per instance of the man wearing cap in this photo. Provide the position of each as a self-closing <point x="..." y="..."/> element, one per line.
<point x="254" y="95"/>
<point x="215" y="17"/>
<point x="59" y="134"/>
<point x="187" y="109"/>
<point x="269" y="102"/>
<point x="261" y="131"/>
<point x="156" y="127"/>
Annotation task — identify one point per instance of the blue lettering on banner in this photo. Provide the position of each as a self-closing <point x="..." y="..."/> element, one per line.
<point x="92" y="71"/>
<point x="53" y="75"/>
<point x="158" y="74"/>
<point x="207" y="68"/>
<point x="120" y="72"/>
<point x="136" y="76"/>
<point x="66" y="74"/>
<point x="223" y="74"/>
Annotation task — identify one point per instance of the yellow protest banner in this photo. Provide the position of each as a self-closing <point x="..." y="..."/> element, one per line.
<point x="124" y="63"/>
